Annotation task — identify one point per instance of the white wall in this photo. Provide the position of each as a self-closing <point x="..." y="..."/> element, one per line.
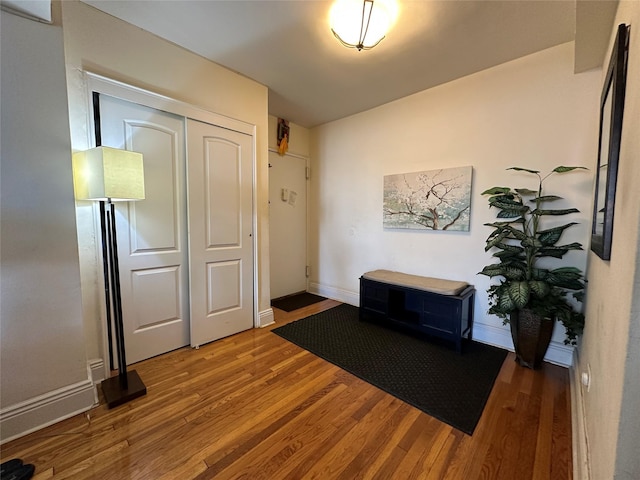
<point x="42" y="357"/>
<point x="99" y="43"/>
<point x="532" y="112"/>
<point x="610" y="347"/>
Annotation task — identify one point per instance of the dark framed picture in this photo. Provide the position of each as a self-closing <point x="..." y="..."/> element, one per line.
<point x="283" y="130"/>
<point x="611" y="113"/>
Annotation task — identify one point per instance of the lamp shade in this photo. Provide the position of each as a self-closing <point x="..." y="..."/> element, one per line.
<point x="105" y="173"/>
<point x="361" y="24"/>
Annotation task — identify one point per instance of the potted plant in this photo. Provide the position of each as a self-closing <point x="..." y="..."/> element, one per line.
<point x="530" y="296"/>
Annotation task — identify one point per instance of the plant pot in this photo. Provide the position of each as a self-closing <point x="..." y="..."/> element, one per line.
<point x="531" y="336"/>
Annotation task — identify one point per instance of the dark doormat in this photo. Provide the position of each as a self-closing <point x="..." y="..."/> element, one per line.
<point x="294" y="302"/>
<point x="432" y="377"/>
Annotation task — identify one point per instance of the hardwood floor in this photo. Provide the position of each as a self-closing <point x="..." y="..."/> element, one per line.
<point x="255" y="406"/>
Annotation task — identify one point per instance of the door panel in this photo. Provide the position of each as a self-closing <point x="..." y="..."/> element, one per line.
<point x="223" y="286"/>
<point x="149" y="231"/>
<point x="287" y="224"/>
<point x="152" y="233"/>
<point x="220" y="180"/>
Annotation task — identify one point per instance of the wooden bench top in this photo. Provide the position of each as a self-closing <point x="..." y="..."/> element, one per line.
<point x="429" y="284"/>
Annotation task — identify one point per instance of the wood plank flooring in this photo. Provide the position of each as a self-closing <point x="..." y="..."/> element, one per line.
<point x="254" y="406"/>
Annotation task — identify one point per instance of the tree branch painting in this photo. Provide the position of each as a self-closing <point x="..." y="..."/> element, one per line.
<point x="430" y="200"/>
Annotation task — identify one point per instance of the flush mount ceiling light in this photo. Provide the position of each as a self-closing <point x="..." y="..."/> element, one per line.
<point x="361" y="24"/>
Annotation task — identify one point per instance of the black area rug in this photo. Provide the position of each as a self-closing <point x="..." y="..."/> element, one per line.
<point x="294" y="302"/>
<point x="430" y="376"/>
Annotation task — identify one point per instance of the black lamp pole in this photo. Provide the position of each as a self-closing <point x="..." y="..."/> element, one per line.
<point x="127" y="385"/>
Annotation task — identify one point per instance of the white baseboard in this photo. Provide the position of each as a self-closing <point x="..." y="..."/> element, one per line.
<point x="96" y="370"/>
<point x="44" y="410"/>
<point x="334" y="293"/>
<point x="266" y="317"/>
<point x="558" y="353"/>
<point x="579" y="439"/>
<point x="492" y="335"/>
<point x="97" y="373"/>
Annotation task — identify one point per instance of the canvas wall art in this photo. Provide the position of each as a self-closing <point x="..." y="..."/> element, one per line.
<point x="430" y="200"/>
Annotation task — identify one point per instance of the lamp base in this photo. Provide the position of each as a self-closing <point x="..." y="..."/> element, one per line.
<point x="115" y="394"/>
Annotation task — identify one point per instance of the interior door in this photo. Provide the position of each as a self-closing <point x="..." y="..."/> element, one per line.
<point x="287" y="224"/>
<point x="152" y="233"/>
<point x="220" y="183"/>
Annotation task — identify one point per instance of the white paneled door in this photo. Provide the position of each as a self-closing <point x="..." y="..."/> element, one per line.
<point x="220" y="204"/>
<point x="152" y="233"/>
<point x="287" y="224"/>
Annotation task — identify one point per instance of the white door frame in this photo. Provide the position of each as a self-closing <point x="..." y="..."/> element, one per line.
<point x="97" y="83"/>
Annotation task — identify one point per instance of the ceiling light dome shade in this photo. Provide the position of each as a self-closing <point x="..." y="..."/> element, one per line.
<point x="360" y="24"/>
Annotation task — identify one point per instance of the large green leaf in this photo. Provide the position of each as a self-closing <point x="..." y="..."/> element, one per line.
<point x="514" y="273"/>
<point x="526" y="191"/>
<point x="551" y="252"/>
<point x="539" y="273"/>
<point x="552" y="235"/>
<point x="496" y="191"/>
<point x="566" y="277"/>
<point x="493" y="270"/>
<point x="496" y="240"/>
<point x="559" y="251"/>
<point x="563" y="169"/>
<point x="507" y="197"/>
<point x="504" y="224"/>
<point x="495" y="233"/>
<point x="520" y="169"/>
<point x="504" y="255"/>
<point x="517" y="233"/>
<point x="505" y="302"/>
<point x="571" y="285"/>
<point x="509" y="214"/>
<point x="510" y="234"/>
<point x="546" y="198"/>
<point x="511" y="248"/>
<point x="554" y="212"/>
<point x="507" y="203"/>
<point x="519" y="293"/>
<point x="573" y="272"/>
<point x="539" y="288"/>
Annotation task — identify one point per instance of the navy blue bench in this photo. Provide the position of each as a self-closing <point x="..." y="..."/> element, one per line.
<point x="442" y="308"/>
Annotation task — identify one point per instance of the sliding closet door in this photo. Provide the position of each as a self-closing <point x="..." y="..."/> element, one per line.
<point x="152" y="233"/>
<point x="220" y="204"/>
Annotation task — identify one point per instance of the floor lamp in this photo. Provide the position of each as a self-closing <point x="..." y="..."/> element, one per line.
<point x="108" y="175"/>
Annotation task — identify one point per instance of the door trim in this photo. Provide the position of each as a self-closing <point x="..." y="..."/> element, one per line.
<point x="147" y="98"/>
<point x="103" y="85"/>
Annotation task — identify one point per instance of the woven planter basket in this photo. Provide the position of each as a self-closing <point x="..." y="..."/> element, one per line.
<point x="531" y="337"/>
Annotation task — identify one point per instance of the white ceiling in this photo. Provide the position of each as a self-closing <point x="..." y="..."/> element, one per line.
<point x="312" y="79"/>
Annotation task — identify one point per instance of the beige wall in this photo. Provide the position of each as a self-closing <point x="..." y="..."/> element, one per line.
<point x="102" y="44"/>
<point x="43" y="367"/>
<point x="611" y="344"/>
<point x="532" y="112"/>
